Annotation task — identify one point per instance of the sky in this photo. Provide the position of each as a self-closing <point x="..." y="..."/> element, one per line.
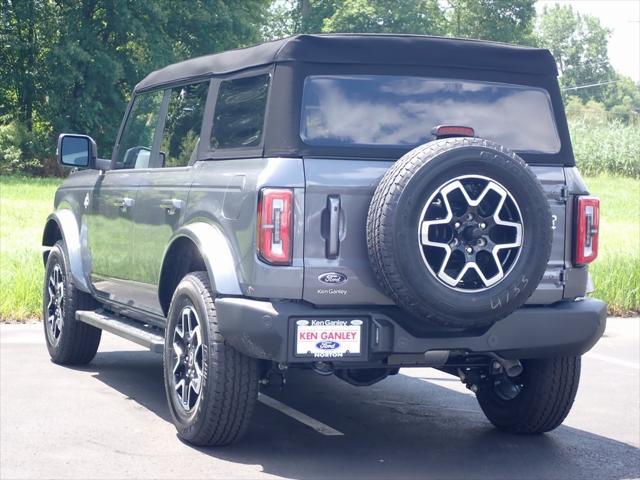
<point x="621" y="16"/>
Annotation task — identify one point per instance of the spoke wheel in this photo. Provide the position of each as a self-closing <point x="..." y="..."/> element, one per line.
<point x="187" y="359"/>
<point x="211" y="387"/>
<point x="69" y="341"/>
<point x="470" y="233"/>
<point x="55" y="303"/>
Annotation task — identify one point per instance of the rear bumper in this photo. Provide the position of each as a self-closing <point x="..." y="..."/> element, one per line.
<point x="265" y="330"/>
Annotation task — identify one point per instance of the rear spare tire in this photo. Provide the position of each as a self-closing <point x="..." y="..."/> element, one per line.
<point x="459" y="232"/>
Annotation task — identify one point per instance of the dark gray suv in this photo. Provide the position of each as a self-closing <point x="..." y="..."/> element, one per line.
<point x="347" y="204"/>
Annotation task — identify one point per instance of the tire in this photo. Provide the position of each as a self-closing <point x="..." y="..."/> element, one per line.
<point x="227" y="379"/>
<point x="407" y="269"/>
<point x="69" y="341"/>
<point x="549" y="388"/>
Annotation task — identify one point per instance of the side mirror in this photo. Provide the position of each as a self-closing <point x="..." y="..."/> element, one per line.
<point x="79" y="151"/>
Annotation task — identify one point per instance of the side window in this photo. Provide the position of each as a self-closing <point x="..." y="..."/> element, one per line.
<point x="182" y="128"/>
<point x="137" y="136"/>
<point x="239" y="115"/>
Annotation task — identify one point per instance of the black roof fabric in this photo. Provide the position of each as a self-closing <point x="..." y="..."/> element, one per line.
<point x="363" y="49"/>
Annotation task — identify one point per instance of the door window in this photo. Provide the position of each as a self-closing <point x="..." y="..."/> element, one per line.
<point x="181" y="135"/>
<point x="239" y="114"/>
<point x="136" y="140"/>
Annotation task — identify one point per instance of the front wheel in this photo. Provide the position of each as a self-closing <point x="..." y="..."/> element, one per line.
<point x="69" y="341"/>
<point x="547" y="388"/>
<point x="211" y="387"/>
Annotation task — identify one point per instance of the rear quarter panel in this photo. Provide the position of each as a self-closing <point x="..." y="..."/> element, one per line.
<point x="225" y="194"/>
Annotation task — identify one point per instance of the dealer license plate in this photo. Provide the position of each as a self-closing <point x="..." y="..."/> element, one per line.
<point x="328" y="338"/>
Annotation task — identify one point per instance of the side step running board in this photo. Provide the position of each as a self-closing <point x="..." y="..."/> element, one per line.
<point x="137" y="332"/>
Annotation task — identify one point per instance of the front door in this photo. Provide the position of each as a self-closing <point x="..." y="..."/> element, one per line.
<point x="163" y="190"/>
<point x="113" y="201"/>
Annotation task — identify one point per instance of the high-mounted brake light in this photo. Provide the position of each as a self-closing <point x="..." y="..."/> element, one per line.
<point x="446" y="131"/>
<point x="275" y="225"/>
<point x="587" y="230"/>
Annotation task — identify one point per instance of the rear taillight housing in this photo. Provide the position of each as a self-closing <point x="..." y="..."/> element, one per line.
<point x="587" y="230"/>
<point x="275" y="225"/>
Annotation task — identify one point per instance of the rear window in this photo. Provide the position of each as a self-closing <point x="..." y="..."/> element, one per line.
<point x="239" y="114"/>
<point x="395" y="111"/>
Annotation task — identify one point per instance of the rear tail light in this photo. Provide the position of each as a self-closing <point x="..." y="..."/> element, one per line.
<point x="587" y="226"/>
<point x="275" y="225"/>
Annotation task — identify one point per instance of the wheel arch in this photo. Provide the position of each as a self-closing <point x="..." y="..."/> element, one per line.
<point x="62" y="225"/>
<point x="198" y="246"/>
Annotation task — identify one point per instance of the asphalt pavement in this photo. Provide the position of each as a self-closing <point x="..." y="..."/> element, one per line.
<point x="110" y="420"/>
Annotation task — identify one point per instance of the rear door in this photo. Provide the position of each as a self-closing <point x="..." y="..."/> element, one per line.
<point x="338" y="193"/>
<point x="380" y="113"/>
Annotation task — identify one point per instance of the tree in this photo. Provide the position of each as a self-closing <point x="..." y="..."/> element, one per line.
<point x="579" y="45"/>
<point x="510" y="22"/>
<point x="485" y="19"/>
<point x="387" y="16"/>
<point x="25" y="30"/>
<point x="623" y="97"/>
<point x="71" y="65"/>
<point x="352" y="16"/>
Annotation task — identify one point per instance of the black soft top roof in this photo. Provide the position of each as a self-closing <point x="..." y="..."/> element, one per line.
<point x="376" y="49"/>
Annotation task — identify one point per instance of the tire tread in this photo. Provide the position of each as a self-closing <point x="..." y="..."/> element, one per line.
<point x="233" y="379"/>
<point x="545" y="401"/>
<point x="79" y="341"/>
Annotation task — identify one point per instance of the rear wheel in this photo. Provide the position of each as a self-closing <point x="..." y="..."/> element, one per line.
<point x="69" y="341"/>
<point x="547" y="388"/>
<point x="211" y="387"/>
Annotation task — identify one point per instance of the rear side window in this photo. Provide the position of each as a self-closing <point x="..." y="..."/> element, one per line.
<point x="137" y="136"/>
<point x="395" y="111"/>
<point x="181" y="135"/>
<point x="239" y="114"/>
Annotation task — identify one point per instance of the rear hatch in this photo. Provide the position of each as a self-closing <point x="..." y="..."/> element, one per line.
<point x="337" y="268"/>
<point x="362" y="113"/>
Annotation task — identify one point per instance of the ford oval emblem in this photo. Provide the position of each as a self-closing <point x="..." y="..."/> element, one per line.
<point x="333" y="278"/>
<point x="327" y="345"/>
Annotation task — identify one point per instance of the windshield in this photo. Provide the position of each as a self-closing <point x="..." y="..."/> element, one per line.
<point x="396" y="111"/>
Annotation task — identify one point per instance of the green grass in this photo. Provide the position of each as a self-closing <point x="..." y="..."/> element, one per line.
<point x="26" y="202"/>
<point x="612" y="148"/>
<point x="24" y="206"/>
<point x="616" y="271"/>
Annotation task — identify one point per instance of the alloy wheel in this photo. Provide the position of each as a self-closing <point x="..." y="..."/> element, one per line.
<point x="187" y="360"/>
<point x="470" y="233"/>
<point x="55" y="303"/>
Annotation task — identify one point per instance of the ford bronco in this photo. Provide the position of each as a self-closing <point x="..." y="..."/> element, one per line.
<point x="348" y="204"/>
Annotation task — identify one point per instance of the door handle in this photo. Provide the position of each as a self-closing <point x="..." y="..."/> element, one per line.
<point x="333" y="240"/>
<point x="124" y="203"/>
<point x="171" y="205"/>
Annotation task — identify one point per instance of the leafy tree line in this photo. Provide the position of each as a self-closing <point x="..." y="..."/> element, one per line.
<point x="70" y="65"/>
